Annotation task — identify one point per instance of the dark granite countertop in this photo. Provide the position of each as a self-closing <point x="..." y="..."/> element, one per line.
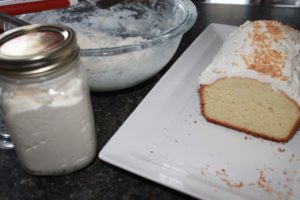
<point x="104" y="181"/>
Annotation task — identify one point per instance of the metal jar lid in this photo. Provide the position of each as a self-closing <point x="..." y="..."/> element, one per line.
<point x="36" y="50"/>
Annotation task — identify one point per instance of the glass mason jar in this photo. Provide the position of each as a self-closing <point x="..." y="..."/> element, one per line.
<point x="45" y="100"/>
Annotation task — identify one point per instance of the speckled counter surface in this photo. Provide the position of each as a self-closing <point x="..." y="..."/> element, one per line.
<point x="104" y="181"/>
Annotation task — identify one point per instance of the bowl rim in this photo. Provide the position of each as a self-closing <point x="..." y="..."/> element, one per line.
<point x="183" y="26"/>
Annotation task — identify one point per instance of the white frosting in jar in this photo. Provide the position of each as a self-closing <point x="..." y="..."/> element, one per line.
<point x="264" y="50"/>
<point x="51" y="124"/>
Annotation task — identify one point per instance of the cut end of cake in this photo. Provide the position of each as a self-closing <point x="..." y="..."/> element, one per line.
<point x="250" y="106"/>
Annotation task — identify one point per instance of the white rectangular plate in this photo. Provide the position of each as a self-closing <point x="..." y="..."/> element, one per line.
<point x="167" y="140"/>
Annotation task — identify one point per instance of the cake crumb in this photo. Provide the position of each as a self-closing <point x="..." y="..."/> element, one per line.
<point x="247" y="138"/>
<point x="263" y="184"/>
<point x="292" y="158"/>
<point x="290" y="193"/>
<point x="281" y="150"/>
<point x="202" y="173"/>
<point x="234" y="64"/>
<point x="203" y="170"/>
<point x="232" y="185"/>
<point x="223" y="177"/>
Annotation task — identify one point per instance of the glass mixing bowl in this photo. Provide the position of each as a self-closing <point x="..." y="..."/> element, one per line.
<point x="124" y="44"/>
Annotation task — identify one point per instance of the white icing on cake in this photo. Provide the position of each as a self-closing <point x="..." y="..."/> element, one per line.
<point x="264" y="50"/>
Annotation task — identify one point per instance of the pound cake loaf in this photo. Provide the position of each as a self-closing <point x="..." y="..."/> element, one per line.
<point x="253" y="83"/>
